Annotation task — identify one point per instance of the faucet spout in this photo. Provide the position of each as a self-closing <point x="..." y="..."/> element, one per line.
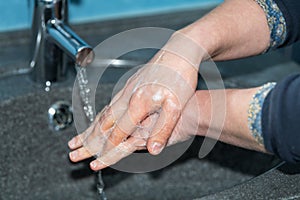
<point x="68" y="41"/>
<point x="54" y="44"/>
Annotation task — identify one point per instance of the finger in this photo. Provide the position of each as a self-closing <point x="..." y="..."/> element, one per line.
<point x="94" y="138"/>
<point x="108" y="120"/>
<point x="146" y="127"/>
<point x="79" y="154"/>
<point x="134" y="143"/>
<point x="116" y="111"/>
<point x="78" y="140"/>
<point x="119" y="152"/>
<point x="123" y="128"/>
<point x="188" y="122"/>
<point x="164" y="127"/>
<point x="90" y="142"/>
<point x="139" y="108"/>
<point x="91" y="145"/>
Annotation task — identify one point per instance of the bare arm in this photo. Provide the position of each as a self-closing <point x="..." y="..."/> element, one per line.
<point x="235" y="130"/>
<point x="235" y="29"/>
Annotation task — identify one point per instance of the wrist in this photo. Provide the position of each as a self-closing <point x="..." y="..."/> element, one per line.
<point x="206" y="40"/>
<point x="204" y="106"/>
<point x="186" y="48"/>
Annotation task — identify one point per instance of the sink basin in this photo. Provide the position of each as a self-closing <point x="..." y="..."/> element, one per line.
<point x="34" y="158"/>
<point x="35" y="162"/>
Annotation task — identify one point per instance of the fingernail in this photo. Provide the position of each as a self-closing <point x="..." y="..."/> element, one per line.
<point x="71" y="143"/>
<point x="93" y="165"/>
<point x="73" y="154"/>
<point x="96" y="166"/>
<point x="156" y="148"/>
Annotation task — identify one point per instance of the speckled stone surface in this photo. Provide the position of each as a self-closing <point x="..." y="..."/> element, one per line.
<point x="35" y="165"/>
<point x="280" y="183"/>
<point x="35" y="162"/>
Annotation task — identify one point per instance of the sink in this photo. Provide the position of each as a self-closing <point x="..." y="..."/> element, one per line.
<point x="34" y="158"/>
<point x="35" y="162"/>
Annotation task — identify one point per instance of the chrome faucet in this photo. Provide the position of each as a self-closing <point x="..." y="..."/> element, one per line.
<point x="54" y="43"/>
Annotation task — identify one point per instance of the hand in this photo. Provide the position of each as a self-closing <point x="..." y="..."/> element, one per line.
<point x="158" y="91"/>
<point x="186" y="127"/>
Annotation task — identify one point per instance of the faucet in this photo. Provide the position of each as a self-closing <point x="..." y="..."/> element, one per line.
<point x="54" y="44"/>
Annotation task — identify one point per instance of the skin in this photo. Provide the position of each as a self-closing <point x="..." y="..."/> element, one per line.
<point x="158" y="95"/>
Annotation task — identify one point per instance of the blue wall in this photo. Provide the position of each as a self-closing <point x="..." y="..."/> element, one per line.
<point x="16" y="14"/>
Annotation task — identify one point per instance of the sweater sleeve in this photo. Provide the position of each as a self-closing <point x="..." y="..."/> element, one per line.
<point x="281" y="119"/>
<point x="291" y="13"/>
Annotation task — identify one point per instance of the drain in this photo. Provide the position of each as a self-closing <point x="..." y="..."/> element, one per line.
<point x="60" y="115"/>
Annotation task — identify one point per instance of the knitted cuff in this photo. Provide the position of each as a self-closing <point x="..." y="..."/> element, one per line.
<point x="255" y="111"/>
<point x="276" y="23"/>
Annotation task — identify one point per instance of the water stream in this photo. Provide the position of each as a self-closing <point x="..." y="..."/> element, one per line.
<point x="85" y="92"/>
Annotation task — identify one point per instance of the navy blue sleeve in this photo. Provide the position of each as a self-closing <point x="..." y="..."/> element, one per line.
<point x="291" y="12"/>
<point x="281" y="119"/>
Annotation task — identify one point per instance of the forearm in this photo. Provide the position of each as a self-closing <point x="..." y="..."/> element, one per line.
<point x="235" y="130"/>
<point x="235" y="29"/>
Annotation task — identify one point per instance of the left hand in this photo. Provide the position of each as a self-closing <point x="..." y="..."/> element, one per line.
<point x="157" y="93"/>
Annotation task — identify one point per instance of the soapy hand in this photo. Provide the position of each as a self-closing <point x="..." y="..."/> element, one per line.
<point x="187" y="126"/>
<point x="145" y="112"/>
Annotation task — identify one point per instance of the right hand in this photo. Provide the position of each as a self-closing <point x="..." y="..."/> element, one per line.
<point x="186" y="128"/>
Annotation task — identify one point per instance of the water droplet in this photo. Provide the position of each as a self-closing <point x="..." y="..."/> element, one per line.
<point x="84" y="92"/>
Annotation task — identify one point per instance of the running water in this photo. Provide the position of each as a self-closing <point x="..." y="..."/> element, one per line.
<point x="85" y="91"/>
